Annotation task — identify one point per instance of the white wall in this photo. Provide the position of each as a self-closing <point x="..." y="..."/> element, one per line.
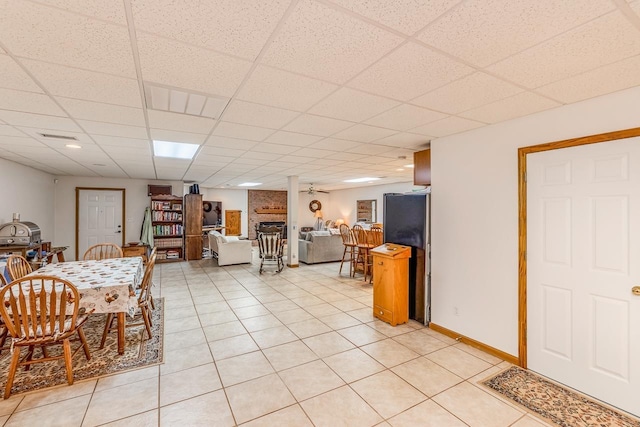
<point x="136" y="200"/>
<point x="30" y="193"/>
<point x="231" y="200"/>
<point x="306" y="218"/>
<point x="475" y="212"/>
<point x="342" y="203"/>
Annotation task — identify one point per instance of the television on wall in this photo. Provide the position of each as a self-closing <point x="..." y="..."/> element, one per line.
<point x="211" y="213"/>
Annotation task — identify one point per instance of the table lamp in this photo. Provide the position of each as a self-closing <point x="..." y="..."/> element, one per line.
<point x="318" y="216"/>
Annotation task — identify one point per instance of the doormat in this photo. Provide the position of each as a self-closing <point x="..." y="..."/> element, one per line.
<point x="139" y="352"/>
<point x="557" y="404"/>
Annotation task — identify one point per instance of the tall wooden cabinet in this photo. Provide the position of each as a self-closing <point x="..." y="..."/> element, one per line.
<point x="391" y="283"/>
<point x="232" y="224"/>
<point x="193" y="226"/>
<point x="166" y="220"/>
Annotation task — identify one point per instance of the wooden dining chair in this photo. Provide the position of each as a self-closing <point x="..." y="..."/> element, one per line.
<point x="374" y="239"/>
<point x="144" y="299"/>
<point x="18" y="267"/>
<point x="362" y="249"/>
<point x="350" y="248"/>
<point x="103" y="251"/>
<point x="3" y="328"/>
<point x="38" y="312"/>
<point x="271" y="250"/>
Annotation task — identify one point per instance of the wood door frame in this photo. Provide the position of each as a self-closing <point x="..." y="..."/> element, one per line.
<point x="522" y="220"/>
<point x="124" y="206"/>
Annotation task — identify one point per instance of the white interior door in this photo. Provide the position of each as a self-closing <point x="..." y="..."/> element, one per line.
<point x="99" y="218"/>
<point x="583" y="259"/>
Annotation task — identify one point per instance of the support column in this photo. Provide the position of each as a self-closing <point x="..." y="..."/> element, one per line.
<point x="292" y="221"/>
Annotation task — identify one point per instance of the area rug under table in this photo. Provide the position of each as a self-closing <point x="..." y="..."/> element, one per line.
<point x="553" y="402"/>
<point x="139" y="352"/>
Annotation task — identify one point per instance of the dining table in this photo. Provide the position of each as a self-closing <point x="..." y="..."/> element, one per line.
<point x="105" y="286"/>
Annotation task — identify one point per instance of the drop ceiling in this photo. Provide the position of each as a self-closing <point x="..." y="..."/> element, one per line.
<point x="327" y="90"/>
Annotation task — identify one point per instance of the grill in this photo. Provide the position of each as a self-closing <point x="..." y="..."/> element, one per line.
<point x="18" y="233"/>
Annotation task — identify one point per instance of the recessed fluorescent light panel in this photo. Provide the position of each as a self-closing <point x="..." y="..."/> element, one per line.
<point x="249" y="184"/>
<point x="176" y="150"/>
<point x="361" y="179"/>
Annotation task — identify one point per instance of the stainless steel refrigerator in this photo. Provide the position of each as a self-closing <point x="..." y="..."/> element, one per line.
<point x="406" y="221"/>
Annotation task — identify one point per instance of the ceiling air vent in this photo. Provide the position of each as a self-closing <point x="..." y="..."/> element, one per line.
<point x="65" y="137"/>
<point x="175" y="100"/>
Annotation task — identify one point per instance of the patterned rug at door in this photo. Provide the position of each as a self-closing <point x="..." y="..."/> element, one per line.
<point x="138" y="353"/>
<point x="557" y="404"/>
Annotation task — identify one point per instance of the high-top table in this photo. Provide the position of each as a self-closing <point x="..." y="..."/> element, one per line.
<point x="105" y="286"/>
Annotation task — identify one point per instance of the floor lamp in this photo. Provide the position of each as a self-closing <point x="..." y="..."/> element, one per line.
<point x="318" y="216"/>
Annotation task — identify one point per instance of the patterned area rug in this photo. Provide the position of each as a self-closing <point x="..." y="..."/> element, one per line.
<point x="139" y="352"/>
<point x="554" y="402"/>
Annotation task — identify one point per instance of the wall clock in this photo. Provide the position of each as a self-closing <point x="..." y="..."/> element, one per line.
<point x="315" y="205"/>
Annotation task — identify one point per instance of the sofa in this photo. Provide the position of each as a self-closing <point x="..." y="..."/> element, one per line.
<point x="320" y="246"/>
<point x="229" y="249"/>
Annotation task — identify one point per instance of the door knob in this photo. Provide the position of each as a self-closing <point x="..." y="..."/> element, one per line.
<point x="635" y="290"/>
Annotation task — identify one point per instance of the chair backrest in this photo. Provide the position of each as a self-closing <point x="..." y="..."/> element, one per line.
<point x="270" y="245"/>
<point x="143" y="296"/>
<point x="31" y="314"/>
<point x="103" y="251"/>
<point x="18" y="267"/>
<point x="375" y="237"/>
<point x="347" y="235"/>
<point x="360" y="234"/>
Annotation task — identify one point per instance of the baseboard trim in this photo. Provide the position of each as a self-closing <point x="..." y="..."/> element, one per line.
<point x="293" y="265"/>
<point x="476" y="344"/>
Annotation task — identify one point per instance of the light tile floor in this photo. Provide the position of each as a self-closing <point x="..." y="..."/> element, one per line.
<point x="298" y="348"/>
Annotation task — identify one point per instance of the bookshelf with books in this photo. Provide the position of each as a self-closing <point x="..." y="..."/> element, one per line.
<point x="167" y="223"/>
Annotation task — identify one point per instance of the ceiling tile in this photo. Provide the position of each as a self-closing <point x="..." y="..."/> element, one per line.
<point x="405" y="117"/>
<point x="38" y="121"/>
<point x="519" y="105"/>
<point x="108" y="10"/>
<point x="409" y="71"/>
<point x="468" y="92"/>
<point x="115" y="141"/>
<point x="403" y="139"/>
<point x="315" y="39"/>
<point x="175" y="136"/>
<point x="183" y="66"/>
<point x="350" y="104"/>
<point x="316" y="125"/>
<point x="282" y="89"/>
<point x="127" y="153"/>
<point x="7" y="142"/>
<point x="485" y="31"/>
<point x="49" y="34"/>
<point x="239" y="131"/>
<point x="313" y="152"/>
<point x="369" y="149"/>
<point x="279" y="149"/>
<point x="224" y="142"/>
<point x="224" y="153"/>
<point x="607" y="79"/>
<point x="406" y="16"/>
<point x="89" y="85"/>
<point x="291" y="138"/>
<point x="236" y="27"/>
<point x="28" y="101"/>
<point x="258" y="115"/>
<point x="100" y="112"/>
<point x="600" y="42"/>
<point x="447" y="126"/>
<point x="334" y="144"/>
<point x="113" y="129"/>
<point x="6" y="130"/>
<point x="179" y="122"/>
<point x="363" y="133"/>
<point x="14" y="77"/>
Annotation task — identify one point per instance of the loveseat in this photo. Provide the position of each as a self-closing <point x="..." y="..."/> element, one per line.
<point x="229" y="249"/>
<point x="320" y="246"/>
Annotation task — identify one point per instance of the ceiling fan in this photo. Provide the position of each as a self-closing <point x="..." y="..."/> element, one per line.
<point x="312" y="190"/>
